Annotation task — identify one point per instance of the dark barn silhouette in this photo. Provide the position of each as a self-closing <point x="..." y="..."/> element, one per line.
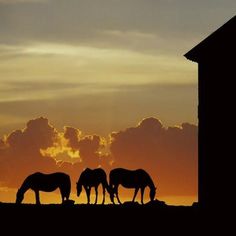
<point x="215" y="56"/>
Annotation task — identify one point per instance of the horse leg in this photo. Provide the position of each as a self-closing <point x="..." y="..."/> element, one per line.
<point x="87" y="189"/>
<point x="62" y="195"/>
<point x="142" y="192"/>
<point x="37" y="197"/>
<point x="103" y="191"/>
<point x="135" y="194"/>
<point x="117" y="196"/>
<point x="96" y="192"/>
<point x="112" y="193"/>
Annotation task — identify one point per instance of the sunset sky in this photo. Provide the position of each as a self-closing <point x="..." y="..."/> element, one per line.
<point x="102" y="83"/>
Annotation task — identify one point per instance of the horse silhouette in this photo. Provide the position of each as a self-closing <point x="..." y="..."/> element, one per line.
<point x="47" y="183"/>
<point x="92" y="178"/>
<point x="138" y="179"/>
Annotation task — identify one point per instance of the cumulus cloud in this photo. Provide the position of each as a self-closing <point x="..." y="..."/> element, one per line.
<point x="169" y="154"/>
<point x="62" y="151"/>
<point x="72" y="135"/>
<point x="89" y="147"/>
<point x="2" y="144"/>
<point x="86" y="149"/>
<point x="40" y="147"/>
<point x="20" y="152"/>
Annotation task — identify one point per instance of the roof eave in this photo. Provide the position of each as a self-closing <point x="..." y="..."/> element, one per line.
<point x="190" y="57"/>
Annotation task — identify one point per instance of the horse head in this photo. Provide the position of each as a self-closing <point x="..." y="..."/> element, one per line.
<point x="79" y="188"/>
<point x="19" y="196"/>
<point x="152" y="193"/>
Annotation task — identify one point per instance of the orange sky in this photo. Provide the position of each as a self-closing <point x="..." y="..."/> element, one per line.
<point x="168" y="154"/>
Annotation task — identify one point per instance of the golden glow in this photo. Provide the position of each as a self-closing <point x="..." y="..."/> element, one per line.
<point x="44" y="61"/>
<point x="61" y="151"/>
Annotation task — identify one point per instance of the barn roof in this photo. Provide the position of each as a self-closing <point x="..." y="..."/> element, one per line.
<point x="220" y="43"/>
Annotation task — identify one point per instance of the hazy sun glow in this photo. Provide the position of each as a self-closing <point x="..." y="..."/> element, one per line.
<point x="93" y="64"/>
<point x="61" y="150"/>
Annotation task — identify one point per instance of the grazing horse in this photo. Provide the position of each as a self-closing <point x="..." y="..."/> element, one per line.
<point x="138" y="179"/>
<point x="92" y="178"/>
<point x="47" y="183"/>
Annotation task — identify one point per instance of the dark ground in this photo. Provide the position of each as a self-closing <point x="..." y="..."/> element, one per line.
<point x="151" y="218"/>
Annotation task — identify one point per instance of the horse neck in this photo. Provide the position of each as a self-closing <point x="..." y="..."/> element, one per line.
<point x="150" y="184"/>
<point x="80" y="183"/>
<point x="24" y="187"/>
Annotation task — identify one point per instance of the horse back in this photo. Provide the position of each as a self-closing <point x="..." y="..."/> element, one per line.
<point x="49" y="182"/>
<point x="128" y="178"/>
<point x="93" y="177"/>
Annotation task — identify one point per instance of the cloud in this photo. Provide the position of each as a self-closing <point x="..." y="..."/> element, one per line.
<point x="61" y="150"/>
<point x="169" y="154"/>
<point x="20" y="152"/>
<point x="40" y="147"/>
<point x="2" y="144"/>
<point x="72" y="135"/>
<point x="90" y="147"/>
<point x="106" y="101"/>
<point x="21" y="1"/>
<point x="72" y="146"/>
<point x="80" y="22"/>
<point x="36" y="86"/>
<point x="37" y="134"/>
<point x="93" y="149"/>
<point x="26" y="91"/>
